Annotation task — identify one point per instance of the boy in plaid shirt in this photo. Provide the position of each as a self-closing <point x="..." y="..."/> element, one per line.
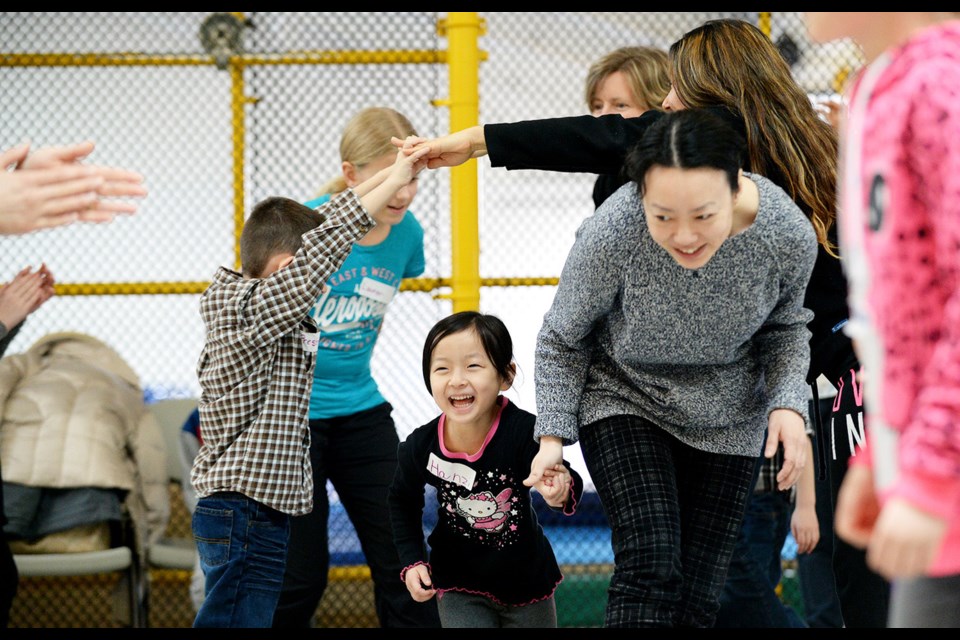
<point x="253" y="470"/>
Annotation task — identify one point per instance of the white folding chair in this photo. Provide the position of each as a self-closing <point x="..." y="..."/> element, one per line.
<point x="121" y="559"/>
<point x="170" y="414"/>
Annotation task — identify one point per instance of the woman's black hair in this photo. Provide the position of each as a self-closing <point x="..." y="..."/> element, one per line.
<point x="493" y="334"/>
<point x="687" y="139"/>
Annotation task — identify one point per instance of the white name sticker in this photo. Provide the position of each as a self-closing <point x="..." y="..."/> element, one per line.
<point x="453" y="472"/>
<point x="375" y="290"/>
<point x="311" y="340"/>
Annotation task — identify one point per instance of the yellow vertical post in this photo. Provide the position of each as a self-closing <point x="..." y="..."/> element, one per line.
<point x="238" y="126"/>
<point x="463" y="29"/>
<point x="237" y="102"/>
<point x="763" y="23"/>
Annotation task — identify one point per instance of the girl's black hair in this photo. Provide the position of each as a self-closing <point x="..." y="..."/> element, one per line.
<point x="687" y="139"/>
<point x="493" y="334"/>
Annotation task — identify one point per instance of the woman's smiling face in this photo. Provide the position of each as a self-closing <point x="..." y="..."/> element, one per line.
<point x="689" y="212"/>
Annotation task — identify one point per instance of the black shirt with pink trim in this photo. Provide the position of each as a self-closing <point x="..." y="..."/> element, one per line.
<point x="487" y="540"/>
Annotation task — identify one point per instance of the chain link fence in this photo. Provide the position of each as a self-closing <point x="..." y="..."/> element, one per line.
<point x="158" y="94"/>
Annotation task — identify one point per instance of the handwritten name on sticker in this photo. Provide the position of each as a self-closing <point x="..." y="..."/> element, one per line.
<point x="311" y="340"/>
<point x="453" y="472"/>
<point x="370" y="288"/>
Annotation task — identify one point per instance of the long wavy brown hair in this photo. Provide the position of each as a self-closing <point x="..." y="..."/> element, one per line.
<point x="732" y="63"/>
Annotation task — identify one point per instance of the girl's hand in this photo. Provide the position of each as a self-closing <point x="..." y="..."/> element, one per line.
<point x="831" y="111"/>
<point x="554" y="486"/>
<point x="46" y="287"/>
<point x="407" y="165"/>
<point x="905" y="540"/>
<point x="419" y="583"/>
<point x="857" y="508"/>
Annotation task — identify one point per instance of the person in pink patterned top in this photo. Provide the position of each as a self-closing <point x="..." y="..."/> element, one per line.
<point x="900" y="232"/>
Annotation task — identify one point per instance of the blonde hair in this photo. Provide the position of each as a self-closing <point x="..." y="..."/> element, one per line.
<point x="734" y="64"/>
<point x="366" y="138"/>
<point x="645" y="68"/>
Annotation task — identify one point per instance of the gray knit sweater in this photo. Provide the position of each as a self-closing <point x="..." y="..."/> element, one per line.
<point x="705" y="354"/>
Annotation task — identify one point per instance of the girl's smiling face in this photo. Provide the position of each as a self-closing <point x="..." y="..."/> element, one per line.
<point x="464" y="382"/>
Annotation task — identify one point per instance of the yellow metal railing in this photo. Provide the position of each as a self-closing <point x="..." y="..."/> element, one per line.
<point x="168" y="288"/>
<point x="243" y="60"/>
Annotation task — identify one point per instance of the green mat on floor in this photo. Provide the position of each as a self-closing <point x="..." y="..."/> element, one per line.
<point x="581" y="599"/>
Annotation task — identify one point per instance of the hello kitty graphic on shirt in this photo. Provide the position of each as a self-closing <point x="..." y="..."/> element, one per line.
<point x="485" y="511"/>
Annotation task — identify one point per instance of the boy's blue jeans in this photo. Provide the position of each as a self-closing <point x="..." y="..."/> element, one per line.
<point x="243" y="553"/>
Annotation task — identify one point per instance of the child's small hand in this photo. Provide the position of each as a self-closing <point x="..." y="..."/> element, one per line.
<point x="377" y="191"/>
<point x="409" y="143"/>
<point x="408" y="164"/>
<point x="554" y="485"/>
<point x="419" y="583"/>
<point x="805" y="528"/>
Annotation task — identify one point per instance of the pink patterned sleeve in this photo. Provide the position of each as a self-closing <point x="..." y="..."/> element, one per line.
<point x="930" y="443"/>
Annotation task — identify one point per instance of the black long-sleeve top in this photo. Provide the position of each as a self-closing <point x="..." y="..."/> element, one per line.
<point x="487" y="539"/>
<point x="588" y="144"/>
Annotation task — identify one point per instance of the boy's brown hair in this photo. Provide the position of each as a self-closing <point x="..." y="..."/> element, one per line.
<point x="276" y="225"/>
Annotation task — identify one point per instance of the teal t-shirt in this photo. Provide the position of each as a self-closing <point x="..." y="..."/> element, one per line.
<point x="350" y="312"/>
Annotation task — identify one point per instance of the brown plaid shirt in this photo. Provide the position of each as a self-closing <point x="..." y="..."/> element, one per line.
<point x="255" y="374"/>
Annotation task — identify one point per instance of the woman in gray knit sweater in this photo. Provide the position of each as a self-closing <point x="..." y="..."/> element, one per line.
<point x="676" y="338"/>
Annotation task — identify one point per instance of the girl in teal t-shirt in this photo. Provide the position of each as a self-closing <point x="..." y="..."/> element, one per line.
<point x="353" y="439"/>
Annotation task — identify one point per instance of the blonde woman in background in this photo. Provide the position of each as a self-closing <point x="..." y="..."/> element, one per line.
<point x="353" y="439"/>
<point x="626" y="81"/>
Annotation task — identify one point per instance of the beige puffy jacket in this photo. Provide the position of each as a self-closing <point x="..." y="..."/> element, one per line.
<point x="72" y="415"/>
